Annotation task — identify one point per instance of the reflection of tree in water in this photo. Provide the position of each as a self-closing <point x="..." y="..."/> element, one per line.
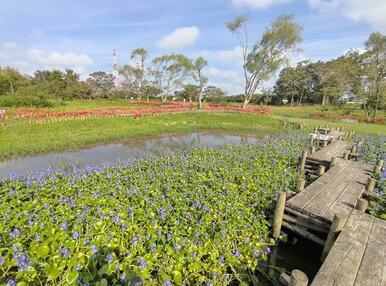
<point x="165" y="144"/>
<point x="171" y="143"/>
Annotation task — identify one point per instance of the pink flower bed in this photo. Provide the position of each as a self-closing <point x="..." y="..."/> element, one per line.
<point x="159" y="108"/>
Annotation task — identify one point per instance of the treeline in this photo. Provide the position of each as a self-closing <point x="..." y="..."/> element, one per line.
<point x="167" y="77"/>
<point x="358" y="76"/>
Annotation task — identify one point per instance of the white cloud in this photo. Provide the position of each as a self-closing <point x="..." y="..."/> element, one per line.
<point x="370" y="11"/>
<point x="179" y="38"/>
<point x="234" y="55"/>
<point x="59" y="59"/>
<point x="10" y="45"/>
<point x="231" y="81"/>
<point x="258" y="4"/>
<point x="31" y="60"/>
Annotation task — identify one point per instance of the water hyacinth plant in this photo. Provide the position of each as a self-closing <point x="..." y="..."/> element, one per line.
<point x="195" y="218"/>
<point x="373" y="148"/>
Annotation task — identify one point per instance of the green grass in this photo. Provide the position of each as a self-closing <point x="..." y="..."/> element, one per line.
<point x="302" y="115"/>
<point x="18" y="138"/>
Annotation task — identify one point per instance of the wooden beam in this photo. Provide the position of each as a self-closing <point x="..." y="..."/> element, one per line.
<point x="279" y="212"/>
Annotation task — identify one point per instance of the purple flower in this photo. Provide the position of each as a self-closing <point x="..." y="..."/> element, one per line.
<point x="78" y="267"/>
<point x="64" y="225"/>
<point x="168" y="283"/>
<point x="169" y="235"/>
<point x="11" y="282"/>
<point x="109" y="258"/>
<point x="1" y="260"/>
<point x="65" y="251"/>
<point x="135" y="239"/>
<point x="22" y="261"/>
<point x="75" y="235"/>
<point x="15" y="233"/>
<point x="221" y="260"/>
<point x="267" y="250"/>
<point x="236" y="253"/>
<point x="161" y="213"/>
<point x="142" y="263"/>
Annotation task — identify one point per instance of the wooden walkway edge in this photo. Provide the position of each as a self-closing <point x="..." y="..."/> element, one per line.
<point x="331" y="212"/>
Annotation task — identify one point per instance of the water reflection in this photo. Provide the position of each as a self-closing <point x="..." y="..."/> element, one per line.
<point x="131" y="149"/>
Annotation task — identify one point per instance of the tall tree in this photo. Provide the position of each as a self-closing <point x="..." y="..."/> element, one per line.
<point x="373" y="66"/>
<point x="101" y="83"/>
<point x="197" y="73"/>
<point x="269" y="54"/>
<point x="298" y="84"/>
<point x="11" y="79"/>
<point x="169" y="72"/>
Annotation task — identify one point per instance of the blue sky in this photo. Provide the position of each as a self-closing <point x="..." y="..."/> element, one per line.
<point x="81" y="34"/>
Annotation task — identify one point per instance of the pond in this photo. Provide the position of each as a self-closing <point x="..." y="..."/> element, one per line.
<point x="131" y="149"/>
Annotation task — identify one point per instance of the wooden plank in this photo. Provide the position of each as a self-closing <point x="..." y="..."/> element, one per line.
<point x="335" y="149"/>
<point x="345" y="258"/>
<point x="336" y="191"/>
<point x="302" y="199"/>
<point x="372" y="270"/>
<point x="340" y="194"/>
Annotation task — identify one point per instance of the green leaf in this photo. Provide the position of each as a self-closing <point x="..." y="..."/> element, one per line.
<point x="53" y="271"/>
<point x="43" y="250"/>
<point x="71" y="277"/>
<point x="103" y="282"/>
<point x="177" y="276"/>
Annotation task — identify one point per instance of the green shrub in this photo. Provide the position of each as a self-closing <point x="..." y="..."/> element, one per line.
<point x="28" y="96"/>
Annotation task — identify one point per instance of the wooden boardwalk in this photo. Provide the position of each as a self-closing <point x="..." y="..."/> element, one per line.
<point x="358" y="256"/>
<point x="332" y="208"/>
<point x="335" y="149"/>
<point x="337" y="191"/>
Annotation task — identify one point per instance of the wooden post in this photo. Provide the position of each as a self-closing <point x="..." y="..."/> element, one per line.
<point x="311" y="140"/>
<point x="279" y="212"/>
<point x="362" y="205"/>
<point x="377" y="170"/>
<point x="346" y="154"/>
<point x="353" y="149"/>
<point x="337" y="225"/>
<point x="370" y="185"/>
<point x="313" y="149"/>
<point x="379" y="163"/>
<point x="300" y="185"/>
<point x="325" y="143"/>
<point x="333" y="162"/>
<point x="316" y="130"/>
<point x="321" y="170"/>
<point x="298" y="278"/>
<point x="303" y="161"/>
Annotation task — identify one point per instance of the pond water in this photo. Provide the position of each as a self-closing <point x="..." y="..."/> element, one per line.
<point x="121" y="152"/>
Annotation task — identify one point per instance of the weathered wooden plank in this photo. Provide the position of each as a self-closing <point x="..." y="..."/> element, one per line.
<point x="372" y="270"/>
<point x="339" y="195"/>
<point x="335" y="149"/>
<point x="344" y="260"/>
<point x="301" y="200"/>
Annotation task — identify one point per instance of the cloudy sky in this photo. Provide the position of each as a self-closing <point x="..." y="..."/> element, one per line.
<point x="47" y="34"/>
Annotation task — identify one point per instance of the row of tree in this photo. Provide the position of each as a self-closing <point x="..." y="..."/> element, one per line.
<point x="358" y="76"/>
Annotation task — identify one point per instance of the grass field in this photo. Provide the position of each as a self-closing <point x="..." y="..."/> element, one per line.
<point x="18" y="138"/>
